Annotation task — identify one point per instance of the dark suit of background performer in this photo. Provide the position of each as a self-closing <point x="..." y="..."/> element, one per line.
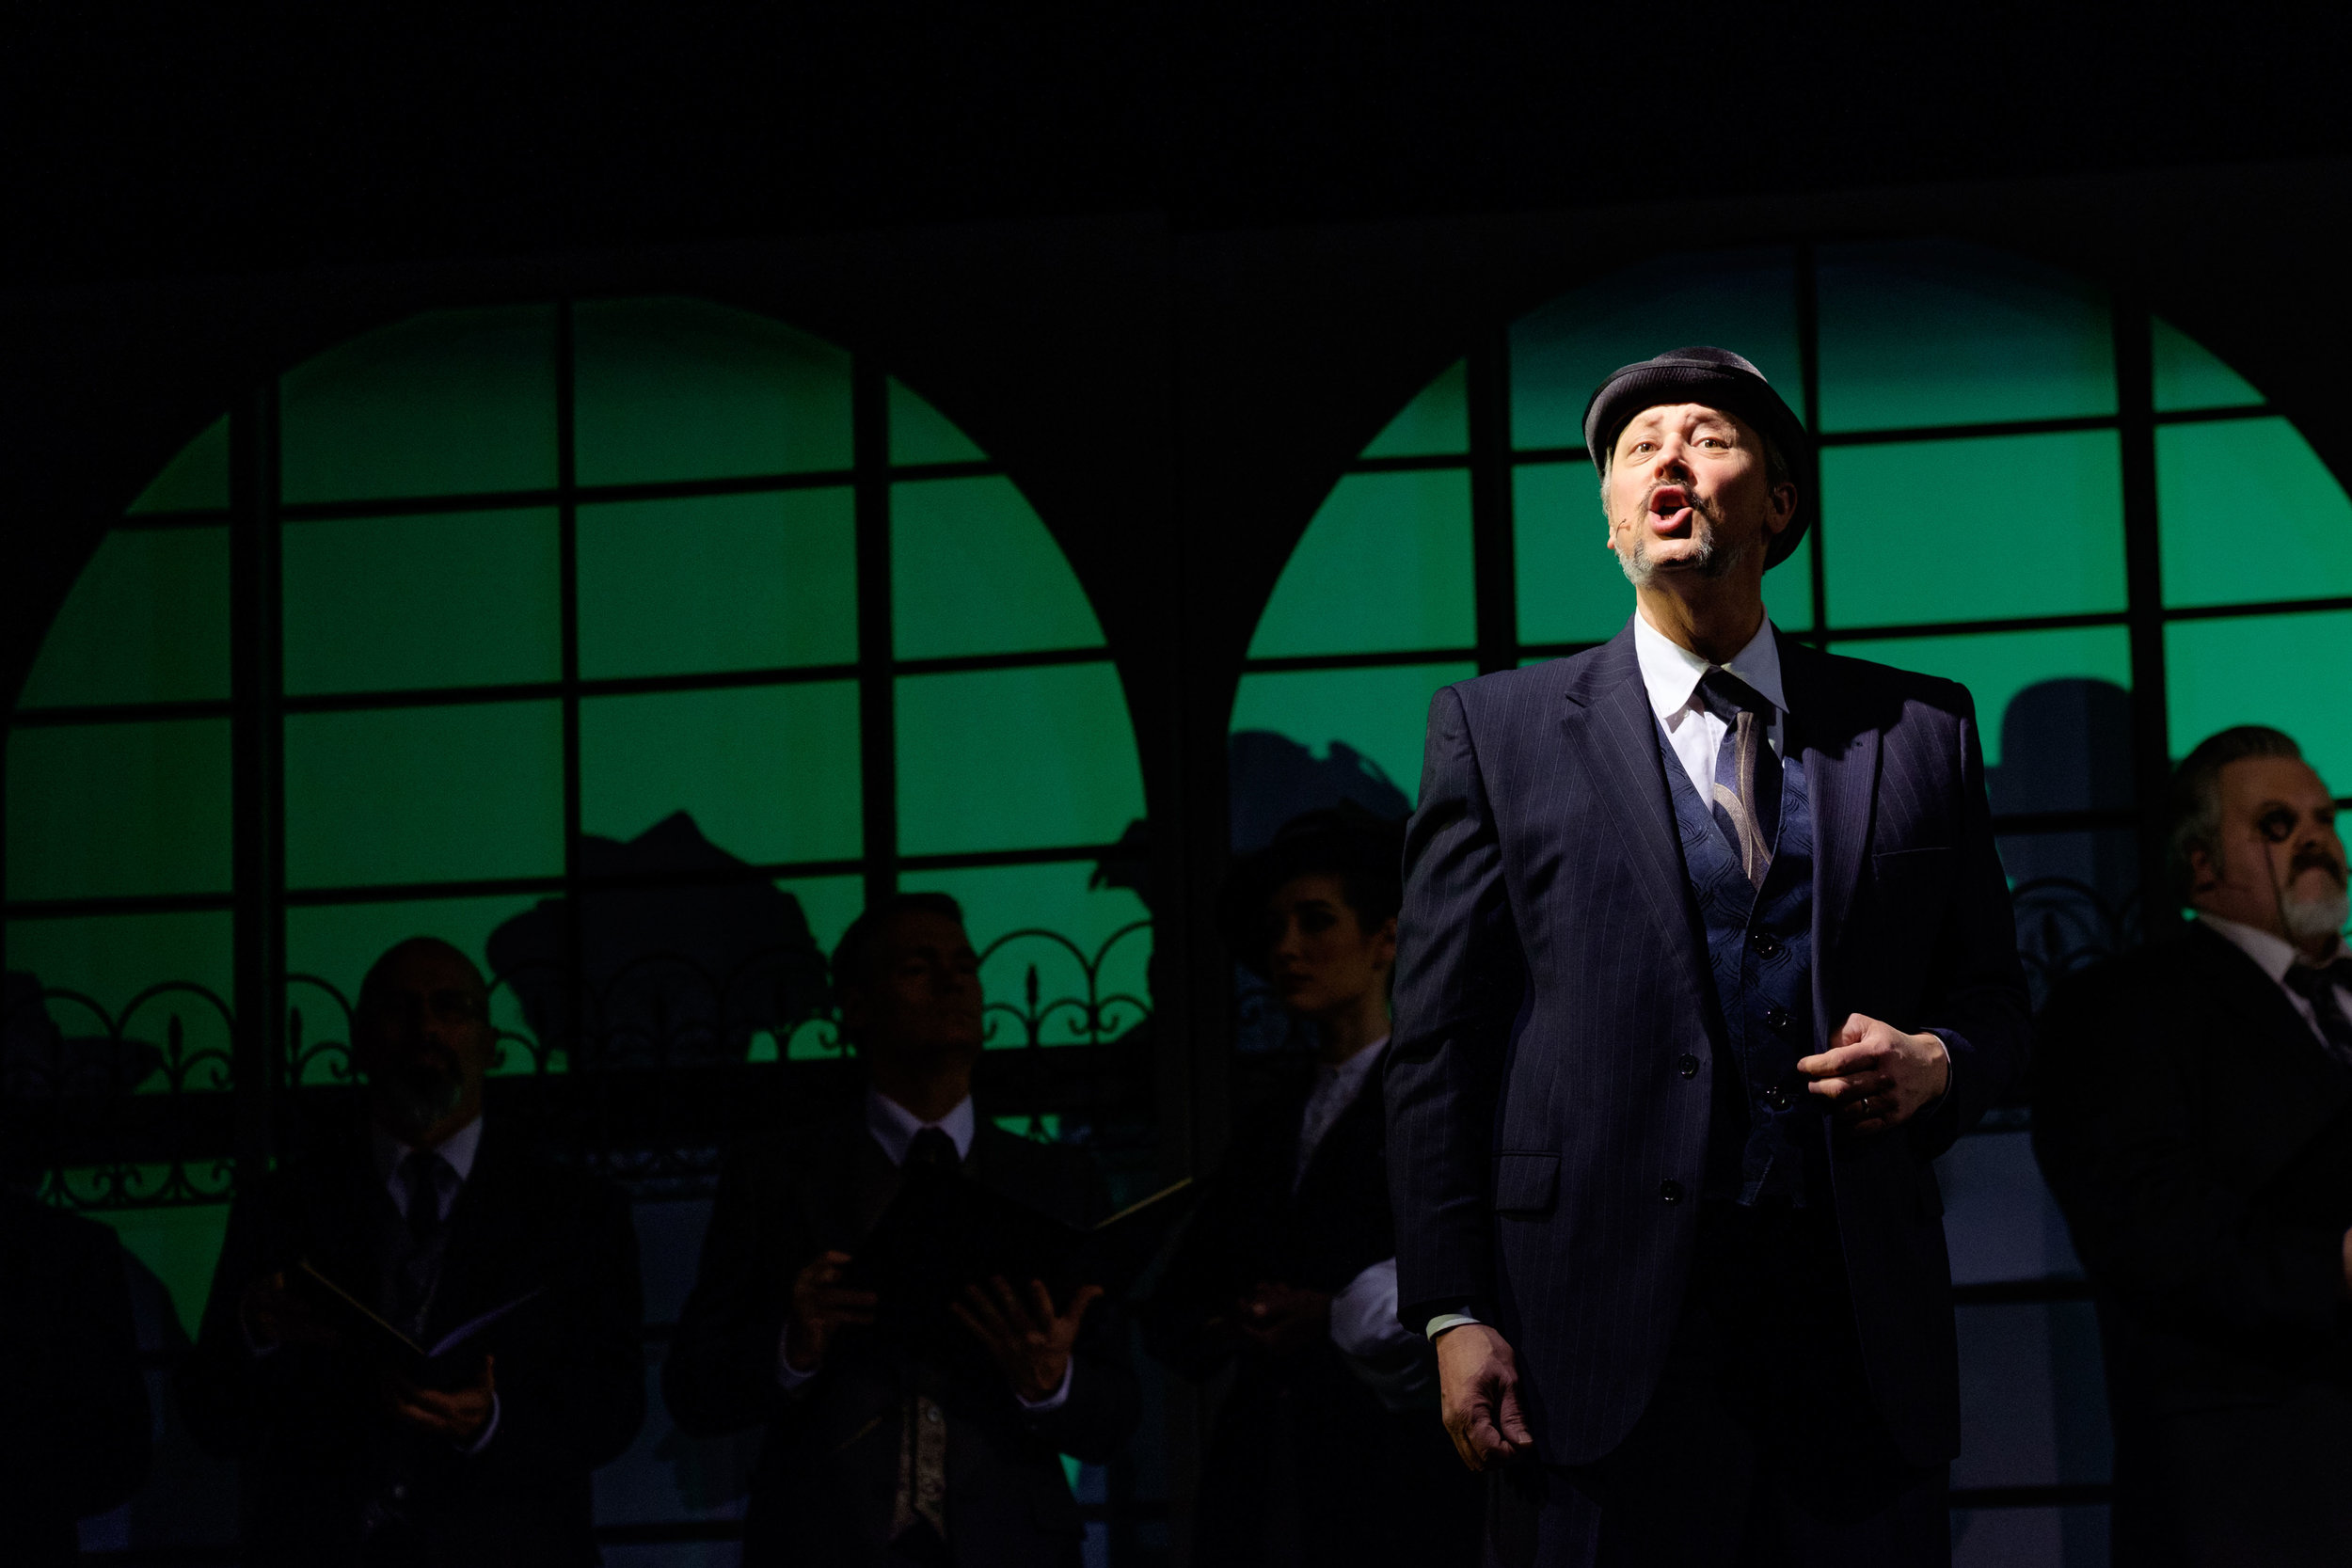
<point x="1327" y="1450"/>
<point x="1705" y="955"/>
<point x="439" y="1217"/>
<point x="2193" y="1114"/>
<point x="872" y="1456"/>
<point x="73" y="1411"/>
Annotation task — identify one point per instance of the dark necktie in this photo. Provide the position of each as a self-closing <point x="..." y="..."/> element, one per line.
<point x="1746" y="797"/>
<point x="931" y="1149"/>
<point x="423" y="1173"/>
<point x="2318" y="987"/>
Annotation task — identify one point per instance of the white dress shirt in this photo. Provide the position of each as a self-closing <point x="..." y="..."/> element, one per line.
<point x="2276" y="956"/>
<point x="458" y="1150"/>
<point x="893" y="1127"/>
<point x="1671" y="674"/>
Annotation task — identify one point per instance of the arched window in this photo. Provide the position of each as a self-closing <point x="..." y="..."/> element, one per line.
<point x="1997" y="448"/>
<point x="610" y="629"/>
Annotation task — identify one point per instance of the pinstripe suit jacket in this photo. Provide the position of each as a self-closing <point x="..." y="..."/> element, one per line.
<point x="1551" y="976"/>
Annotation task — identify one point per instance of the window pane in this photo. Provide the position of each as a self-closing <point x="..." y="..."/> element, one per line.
<point x="2284" y="671"/>
<point x="1936" y="334"/>
<point x="146" y="622"/>
<point x="1962" y="531"/>
<point x="1571" y="588"/>
<point x="1378" y="717"/>
<point x="679" y="388"/>
<point x="1000" y="900"/>
<point x="180" y="1246"/>
<point x="1434" y="423"/>
<point x="768" y="773"/>
<point x="338" y="944"/>
<point x="1998" y="667"/>
<point x="394" y="604"/>
<point x="449" y="403"/>
<point x="2238" y="498"/>
<point x="1788" y="587"/>
<point x="103" y="809"/>
<point x="421" y="795"/>
<point x="973" y="571"/>
<point x="196" y="478"/>
<point x="111" y="959"/>
<point x="721" y="582"/>
<point x="1385" y="564"/>
<point x="1743" y="300"/>
<point x="1015" y="759"/>
<point x="2189" y="376"/>
<point x="921" y="434"/>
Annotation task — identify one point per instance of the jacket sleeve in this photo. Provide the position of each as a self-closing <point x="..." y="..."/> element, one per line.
<point x="1459" y="978"/>
<point x="1975" y="998"/>
<point x="1106" y="1401"/>
<point x="720" y="1373"/>
<point x="2118" y="1141"/>
<point x="576" y="1399"/>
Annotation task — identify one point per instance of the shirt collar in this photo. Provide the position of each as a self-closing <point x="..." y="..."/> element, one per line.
<point x="1350" y="1074"/>
<point x="893" y="1125"/>
<point x="459" y="1149"/>
<point x="2275" y="954"/>
<point x="1670" y="671"/>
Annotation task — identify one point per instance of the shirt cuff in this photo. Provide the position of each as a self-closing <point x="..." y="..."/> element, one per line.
<point x="1363" y="1314"/>
<point x="1444" y="1321"/>
<point x="489" y="1430"/>
<point x="790" y="1377"/>
<point x="1055" y="1400"/>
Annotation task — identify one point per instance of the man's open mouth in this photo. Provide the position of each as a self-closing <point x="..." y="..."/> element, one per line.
<point x="1670" y="509"/>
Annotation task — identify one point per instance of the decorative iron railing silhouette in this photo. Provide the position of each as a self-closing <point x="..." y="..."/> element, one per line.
<point x="657" y="1074"/>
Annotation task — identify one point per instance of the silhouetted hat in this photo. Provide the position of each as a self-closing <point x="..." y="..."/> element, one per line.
<point x="1720" y="379"/>
<point x="1364" y="849"/>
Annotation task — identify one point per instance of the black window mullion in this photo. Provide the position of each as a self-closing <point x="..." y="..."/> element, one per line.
<point x="567" y="602"/>
<point x="256" y="776"/>
<point x="1809" y="401"/>
<point x="2143" y="577"/>
<point x="878" y="771"/>
<point x="1493" y="569"/>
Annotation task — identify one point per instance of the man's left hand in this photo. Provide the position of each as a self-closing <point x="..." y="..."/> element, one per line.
<point x="1025" y="1336"/>
<point x="458" y="1414"/>
<point x="1877" y="1076"/>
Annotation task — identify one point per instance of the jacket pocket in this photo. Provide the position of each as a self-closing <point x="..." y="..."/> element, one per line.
<point x="1526" y="1184"/>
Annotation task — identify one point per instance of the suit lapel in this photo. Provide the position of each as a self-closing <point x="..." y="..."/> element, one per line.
<point x="1841" y="770"/>
<point x="2303" y="1086"/>
<point x="1612" y="738"/>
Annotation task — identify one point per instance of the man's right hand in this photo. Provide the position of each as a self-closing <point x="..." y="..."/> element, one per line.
<point x="821" y="1306"/>
<point x="1478" y="1384"/>
<point x="274" y="1316"/>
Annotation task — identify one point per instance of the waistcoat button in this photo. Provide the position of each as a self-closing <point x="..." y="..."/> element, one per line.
<point x="1766" y="945"/>
<point x="1687" y="1065"/>
<point x="1777" y="1017"/>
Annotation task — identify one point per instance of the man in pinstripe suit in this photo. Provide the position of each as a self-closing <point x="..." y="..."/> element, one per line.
<point x="1706" y="954"/>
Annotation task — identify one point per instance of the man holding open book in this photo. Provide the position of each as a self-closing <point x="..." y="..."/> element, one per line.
<point x="421" y="1341"/>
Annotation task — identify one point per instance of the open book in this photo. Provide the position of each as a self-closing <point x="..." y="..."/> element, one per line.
<point x="452" y="1361"/>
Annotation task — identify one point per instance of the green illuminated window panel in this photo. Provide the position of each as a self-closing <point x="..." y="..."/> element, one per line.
<point x="1789" y="589"/>
<point x="1933" y="334"/>
<point x="338" y="944"/>
<point x="111" y="809"/>
<point x="112" y="959"/>
<point x="973" y="571"/>
<point x="1435" y="424"/>
<point x="717" y="583"/>
<point x="2284" y="671"/>
<point x="1000" y="900"/>
<point x="395" y="604"/>
<point x="449" y="403"/>
<point x="1997" y="666"/>
<point x="1962" y="530"/>
<point x="1570" y="587"/>
<point x="1384" y="565"/>
<point x="179" y="1246"/>
<point x="146" y="622"/>
<point x="1743" y="300"/>
<point x="195" y="479"/>
<point x="2237" y="499"/>
<point x="830" y="903"/>
<point x="425" y="794"/>
<point x="768" y="773"/>
<point x="683" y="389"/>
<point x="1383" y="713"/>
<point x="921" y="434"/>
<point x="2188" y="376"/>
<point x="1015" y="759"/>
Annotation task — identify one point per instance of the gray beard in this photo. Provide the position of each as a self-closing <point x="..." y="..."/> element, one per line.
<point x="1708" y="561"/>
<point x="415" y="1102"/>
<point x="2308" y="919"/>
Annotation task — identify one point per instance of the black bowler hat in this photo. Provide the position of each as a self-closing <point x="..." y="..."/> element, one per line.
<point x="1720" y="379"/>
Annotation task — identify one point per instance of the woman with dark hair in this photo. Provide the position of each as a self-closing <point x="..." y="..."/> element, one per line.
<point x="1328" y="1448"/>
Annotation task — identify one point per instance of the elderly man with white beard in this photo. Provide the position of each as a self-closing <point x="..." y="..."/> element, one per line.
<point x="2193" y="1113"/>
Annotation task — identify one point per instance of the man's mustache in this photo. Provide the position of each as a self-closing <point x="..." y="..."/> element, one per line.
<point x="2313" y="857"/>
